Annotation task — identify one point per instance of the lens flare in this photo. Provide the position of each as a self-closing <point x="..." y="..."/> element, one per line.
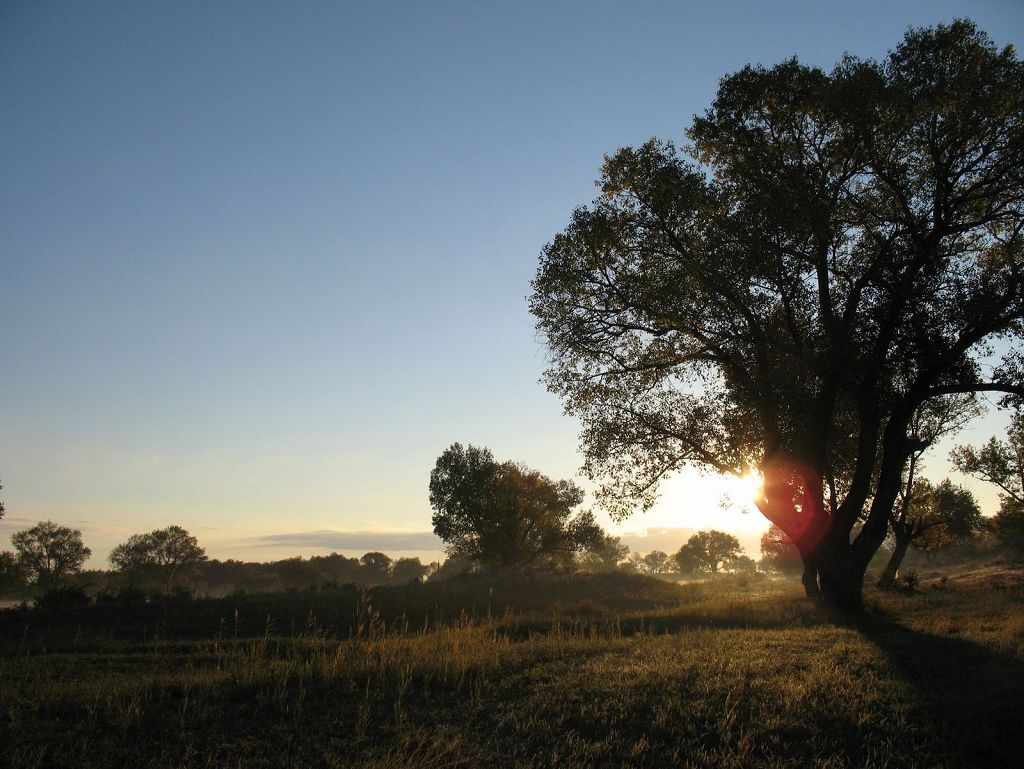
<point x="749" y="486"/>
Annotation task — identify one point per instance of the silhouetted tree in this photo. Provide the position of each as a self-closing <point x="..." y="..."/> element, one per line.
<point x="687" y="562"/>
<point x="657" y="562"/>
<point x="1001" y="463"/>
<point x="933" y="419"/>
<point x="707" y="551"/>
<point x="12" y="574"/>
<point x="1" y="503"/>
<point x="778" y="553"/>
<point x="741" y="564"/>
<point x="408" y="570"/>
<point x="166" y="552"/>
<point x="296" y="574"/>
<point x="452" y="567"/>
<point x="932" y="518"/>
<point x="604" y="554"/>
<point x="49" y="552"/>
<point x="843" y="250"/>
<point x="506" y="515"/>
<point x="376" y="568"/>
<point x="336" y="568"/>
<point x="634" y="563"/>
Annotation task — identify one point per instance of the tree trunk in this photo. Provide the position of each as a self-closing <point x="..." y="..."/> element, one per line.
<point x="888" y="579"/>
<point x="841" y="582"/>
<point x="840" y="573"/>
<point x="809" y="578"/>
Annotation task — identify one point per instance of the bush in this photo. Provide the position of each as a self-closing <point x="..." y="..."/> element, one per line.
<point x="126" y="597"/>
<point x="63" y="598"/>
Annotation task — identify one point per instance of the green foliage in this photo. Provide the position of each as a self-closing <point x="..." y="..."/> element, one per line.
<point x="944" y="515"/>
<point x="838" y="251"/>
<point x="707" y="552"/>
<point x="49" y="552"/>
<point x="1009" y="525"/>
<point x="1001" y="463"/>
<point x="506" y="515"/>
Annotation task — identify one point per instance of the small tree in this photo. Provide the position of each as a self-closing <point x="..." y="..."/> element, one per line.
<point x="336" y="568"/>
<point x="405" y="570"/>
<point x="376" y="568"/>
<point x="741" y="564"/>
<point x="1001" y="463"/>
<point x="687" y="562"/>
<point x="450" y="569"/>
<point x="778" y="553"/>
<point x="933" y="518"/>
<point x="604" y="554"/>
<point x="708" y="551"/>
<point x="657" y="562"/>
<point x="165" y="552"/>
<point x="12" y="575"/>
<point x="49" y="552"/>
<point x="504" y="514"/>
<point x="296" y="573"/>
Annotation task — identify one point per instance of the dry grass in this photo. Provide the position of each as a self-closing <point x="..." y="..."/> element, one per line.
<point x="730" y="675"/>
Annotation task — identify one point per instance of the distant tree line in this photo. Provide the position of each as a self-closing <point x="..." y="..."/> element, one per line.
<point x="504" y="515"/>
<point x="48" y="556"/>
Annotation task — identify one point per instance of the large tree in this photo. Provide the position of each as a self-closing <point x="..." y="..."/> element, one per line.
<point x="842" y="248"/>
<point x="49" y="552"/>
<point x="501" y="514"/>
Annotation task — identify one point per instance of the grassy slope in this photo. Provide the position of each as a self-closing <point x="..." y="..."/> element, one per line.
<point x="598" y="671"/>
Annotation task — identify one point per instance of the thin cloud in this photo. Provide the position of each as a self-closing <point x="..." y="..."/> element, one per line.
<point x="351" y="540"/>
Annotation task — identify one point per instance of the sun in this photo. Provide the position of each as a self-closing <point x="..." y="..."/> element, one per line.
<point x="700" y="500"/>
<point x="748" y="487"/>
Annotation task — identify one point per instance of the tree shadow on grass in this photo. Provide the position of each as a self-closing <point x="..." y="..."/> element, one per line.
<point x="974" y="693"/>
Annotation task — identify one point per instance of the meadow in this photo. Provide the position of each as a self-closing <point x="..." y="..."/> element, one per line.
<point x="520" y="671"/>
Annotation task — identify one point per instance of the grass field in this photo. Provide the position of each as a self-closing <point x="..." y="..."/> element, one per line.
<point x="598" y="671"/>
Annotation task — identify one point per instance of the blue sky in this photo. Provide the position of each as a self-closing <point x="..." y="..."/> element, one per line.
<point x="262" y="262"/>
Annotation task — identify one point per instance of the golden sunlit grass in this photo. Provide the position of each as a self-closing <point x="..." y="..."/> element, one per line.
<point x="739" y="674"/>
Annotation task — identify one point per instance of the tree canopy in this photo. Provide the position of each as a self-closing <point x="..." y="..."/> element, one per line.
<point x="603" y="554"/>
<point x="49" y="552"/>
<point x="502" y="514"/>
<point x="778" y="553"/>
<point x="838" y="249"/>
<point x="707" y="552"/>
<point x="166" y="552"/>
<point x="1001" y="462"/>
